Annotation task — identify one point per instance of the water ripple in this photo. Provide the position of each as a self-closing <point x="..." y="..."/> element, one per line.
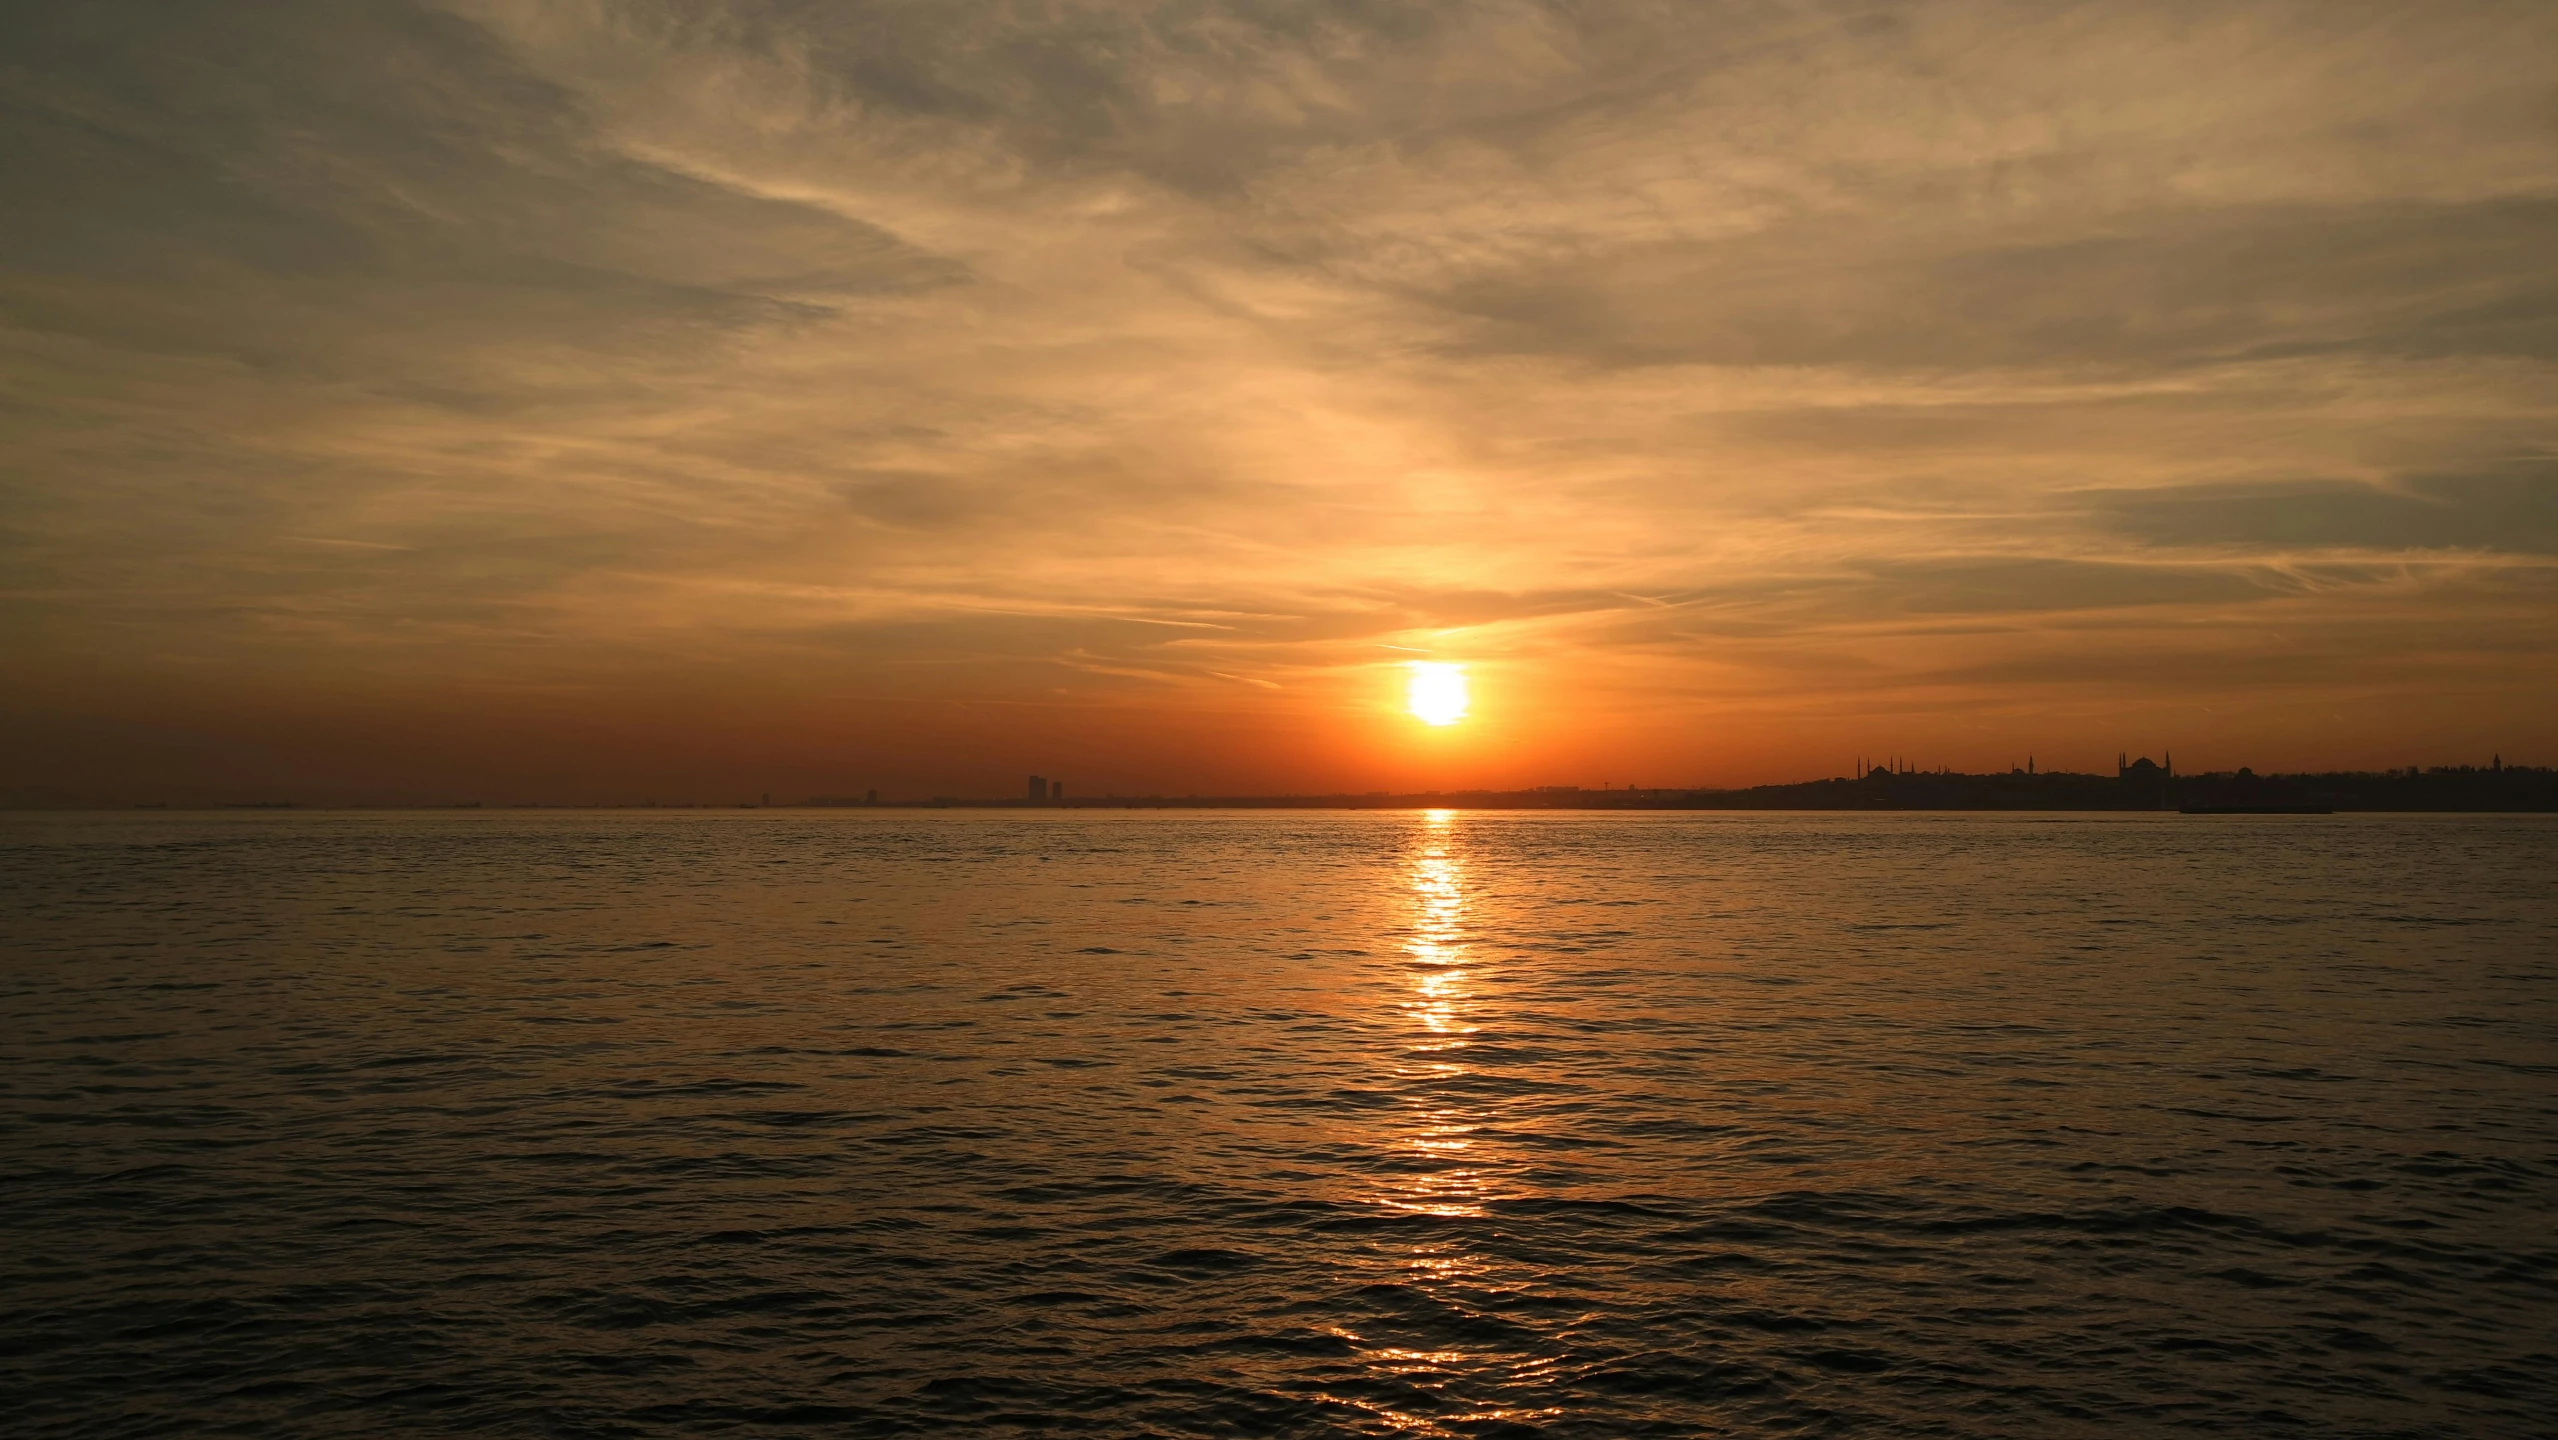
<point x="1355" y="1124"/>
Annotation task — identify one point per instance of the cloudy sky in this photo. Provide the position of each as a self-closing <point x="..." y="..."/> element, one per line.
<point x="505" y="399"/>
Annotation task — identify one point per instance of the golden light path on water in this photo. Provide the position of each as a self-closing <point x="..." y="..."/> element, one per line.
<point x="1441" y="1007"/>
<point x="1444" y="1166"/>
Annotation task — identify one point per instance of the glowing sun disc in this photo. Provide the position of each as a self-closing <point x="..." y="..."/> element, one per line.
<point x="1438" y="693"/>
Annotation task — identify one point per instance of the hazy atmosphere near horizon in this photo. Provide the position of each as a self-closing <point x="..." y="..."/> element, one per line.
<point x="597" y="401"/>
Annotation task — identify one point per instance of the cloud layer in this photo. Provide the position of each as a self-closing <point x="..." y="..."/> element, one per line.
<point x="1144" y="381"/>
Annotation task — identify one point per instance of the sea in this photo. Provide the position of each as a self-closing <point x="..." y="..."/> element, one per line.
<point x="1278" y="1123"/>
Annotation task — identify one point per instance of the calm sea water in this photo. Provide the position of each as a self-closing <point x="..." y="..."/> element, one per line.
<point x="1279" y="1124"/>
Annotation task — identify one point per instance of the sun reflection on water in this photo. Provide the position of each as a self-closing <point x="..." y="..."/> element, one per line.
<point x="1441" y="1003"/>
<point x="1447" y="1163"/>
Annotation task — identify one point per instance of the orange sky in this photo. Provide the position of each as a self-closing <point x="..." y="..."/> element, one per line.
<point x="595" y="401"/>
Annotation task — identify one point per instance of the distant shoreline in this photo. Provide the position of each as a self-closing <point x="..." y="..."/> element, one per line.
<point x="2141" y="787"/>
<point x="2447" y="790"/>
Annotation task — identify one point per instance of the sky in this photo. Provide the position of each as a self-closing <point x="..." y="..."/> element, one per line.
<point x="511" y="400"/>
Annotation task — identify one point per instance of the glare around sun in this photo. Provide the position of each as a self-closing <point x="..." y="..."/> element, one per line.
<point x="1438" y="693"/>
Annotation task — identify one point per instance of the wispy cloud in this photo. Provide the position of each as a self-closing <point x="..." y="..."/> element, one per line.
<point x="992" y="351"/>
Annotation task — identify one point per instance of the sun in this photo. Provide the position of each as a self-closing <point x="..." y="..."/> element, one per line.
<point x="1438" y="693"/>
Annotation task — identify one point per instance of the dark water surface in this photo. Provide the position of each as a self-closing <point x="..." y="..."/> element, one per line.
<point x="1279" y="1124"/>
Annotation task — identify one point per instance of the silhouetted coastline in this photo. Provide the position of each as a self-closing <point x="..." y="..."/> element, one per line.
<point x="2137" y="785"/>
<point x="2140" y="785"/>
